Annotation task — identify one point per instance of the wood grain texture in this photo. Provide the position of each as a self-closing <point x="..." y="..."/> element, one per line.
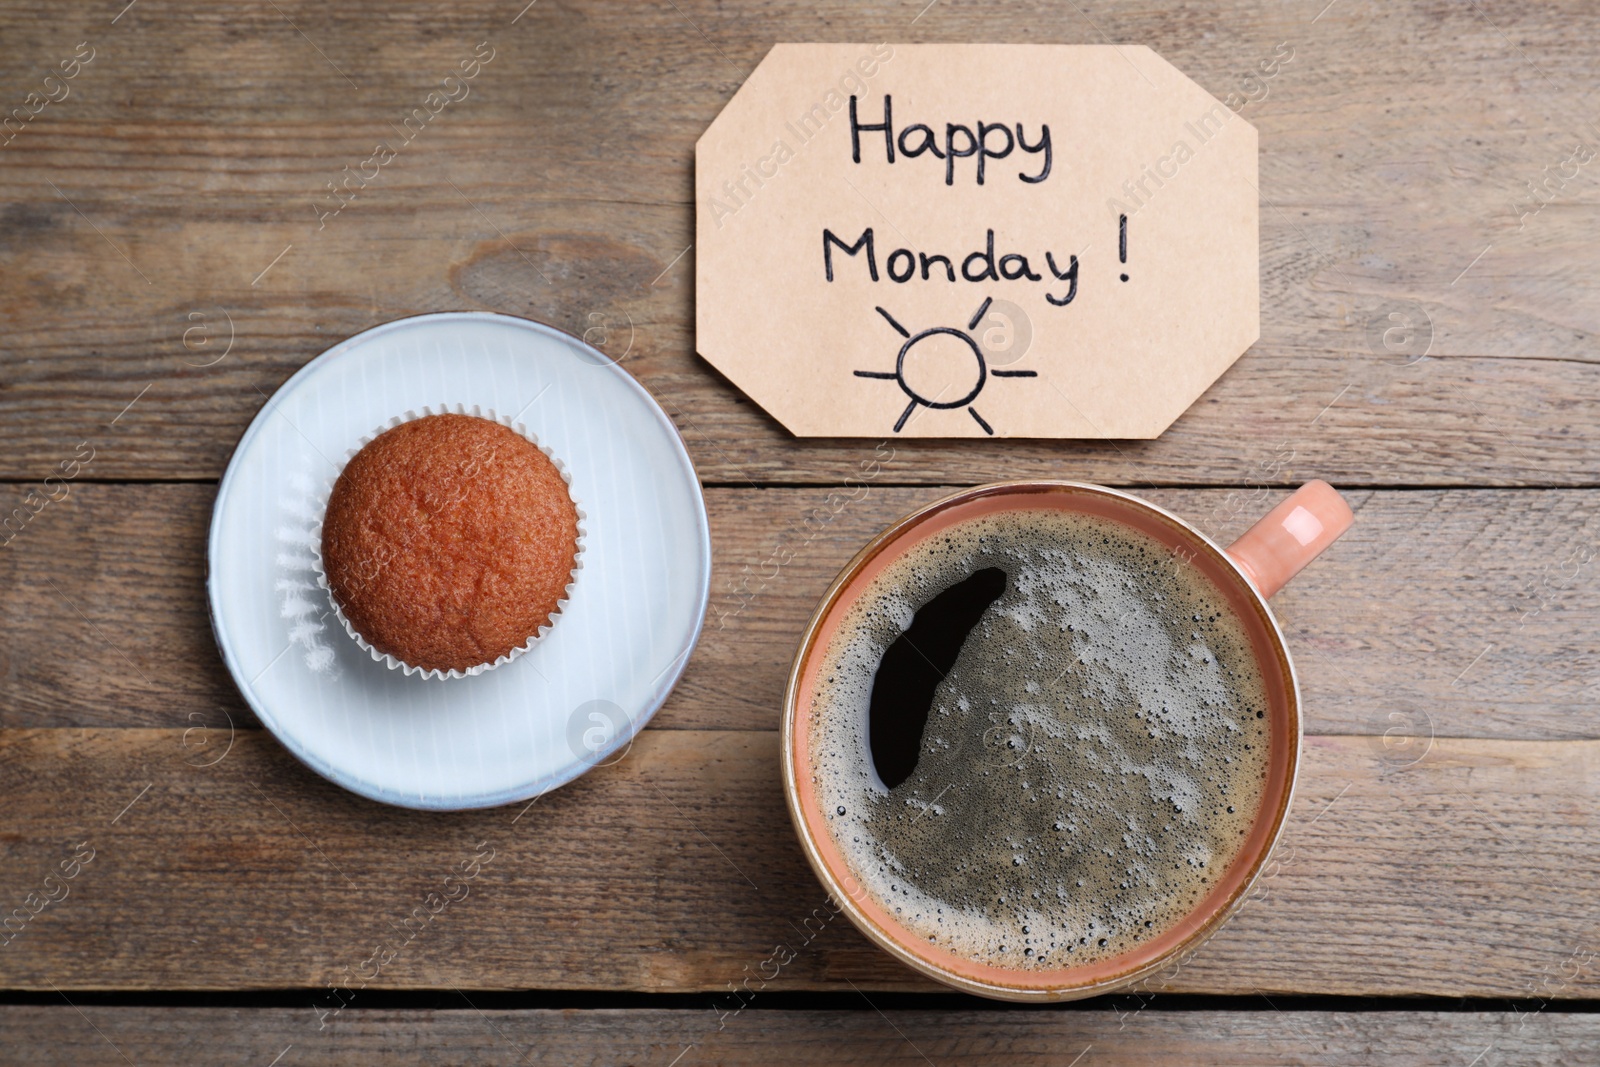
<point x="193" y="149"/>
<point x="1454" y="613"/>
<point x="1469" y="872"/>
<point x="51" y="1036"/>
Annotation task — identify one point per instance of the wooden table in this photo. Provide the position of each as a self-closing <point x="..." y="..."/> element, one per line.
<point x="1436" y="898"/>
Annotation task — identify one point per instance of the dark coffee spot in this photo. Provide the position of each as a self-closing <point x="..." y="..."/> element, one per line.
<point x="914" y="665"/>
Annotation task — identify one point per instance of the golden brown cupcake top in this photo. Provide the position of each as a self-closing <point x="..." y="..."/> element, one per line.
<point x="448" y="541"/>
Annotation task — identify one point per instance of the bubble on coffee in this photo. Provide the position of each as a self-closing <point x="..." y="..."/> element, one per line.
<point x="1091" y="764"/>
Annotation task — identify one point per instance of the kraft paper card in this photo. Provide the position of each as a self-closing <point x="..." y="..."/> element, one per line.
<point x="975" y="240"/>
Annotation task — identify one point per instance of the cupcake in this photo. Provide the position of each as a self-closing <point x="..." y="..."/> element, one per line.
<point x="449" y="543"/>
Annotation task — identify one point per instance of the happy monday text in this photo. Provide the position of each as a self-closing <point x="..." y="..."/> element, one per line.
<point x="985" y="143"/>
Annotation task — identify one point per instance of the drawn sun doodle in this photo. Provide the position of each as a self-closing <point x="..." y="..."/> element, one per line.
<point x="940" y="356"/>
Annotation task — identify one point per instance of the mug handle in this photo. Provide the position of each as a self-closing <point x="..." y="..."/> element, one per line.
<point x="1291" y="535"/>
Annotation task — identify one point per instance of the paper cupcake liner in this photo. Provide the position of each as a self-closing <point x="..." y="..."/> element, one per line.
<point x="391" y="661"/>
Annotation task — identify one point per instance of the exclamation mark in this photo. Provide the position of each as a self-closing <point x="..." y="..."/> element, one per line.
<point x="1122" y="241"/>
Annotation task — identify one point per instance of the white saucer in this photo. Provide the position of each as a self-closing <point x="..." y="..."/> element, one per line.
<point x="579" y="696"/>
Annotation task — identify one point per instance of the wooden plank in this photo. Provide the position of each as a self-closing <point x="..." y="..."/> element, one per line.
<point x="197" y="143"/>
<point x="1450" y="612"/>
<point x="1470" y="872"/>
<point x="50" y="1036"/>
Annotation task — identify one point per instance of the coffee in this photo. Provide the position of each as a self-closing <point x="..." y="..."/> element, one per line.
<point x="1092" y="757"/>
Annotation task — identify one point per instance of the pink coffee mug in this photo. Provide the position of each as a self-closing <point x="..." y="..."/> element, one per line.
<point x="1245" y="574"/>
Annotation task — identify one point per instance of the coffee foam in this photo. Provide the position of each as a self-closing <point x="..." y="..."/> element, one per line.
<point x="1090" y="765"/>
